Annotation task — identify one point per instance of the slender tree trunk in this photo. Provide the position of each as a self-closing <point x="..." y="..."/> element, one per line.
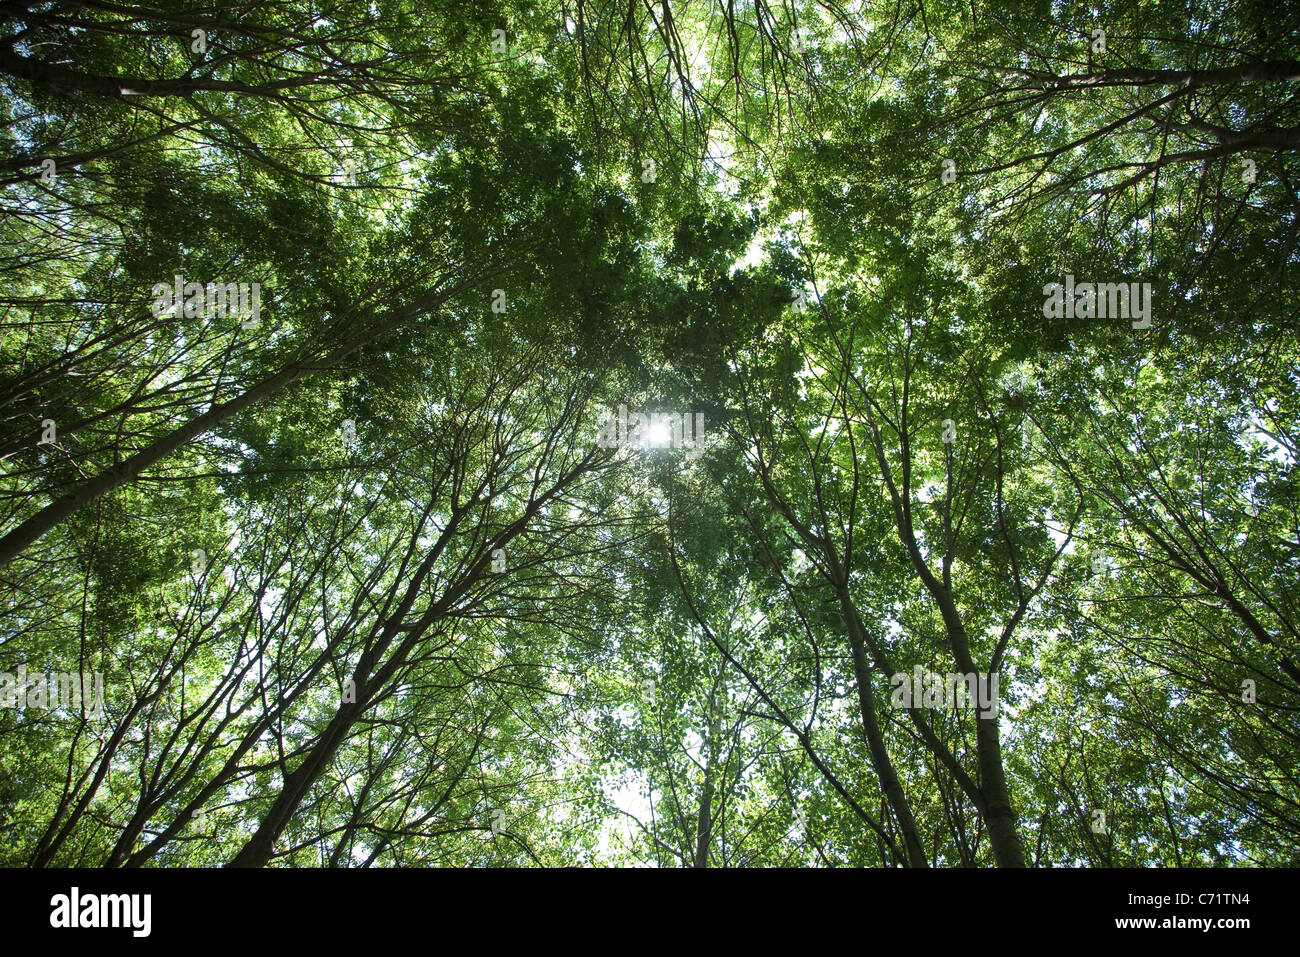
<point x="30" y="531"/>
<point x="370" y="676"/>
<point x="1274" y="71"/>
<point x="999" y="814"/>
<point x="880" y="759"/>
<point x="74" y="83"/>
<point x="259" y="848"/>
<point x="704" y="823"/>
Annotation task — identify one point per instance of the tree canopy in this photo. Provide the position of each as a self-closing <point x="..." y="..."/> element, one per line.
<point x="668" y="433"/>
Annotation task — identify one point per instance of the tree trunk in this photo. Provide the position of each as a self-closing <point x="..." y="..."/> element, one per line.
<point x="30" y="531"/>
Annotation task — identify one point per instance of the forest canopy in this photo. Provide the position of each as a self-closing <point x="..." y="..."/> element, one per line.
<point x="707" y="433"/>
